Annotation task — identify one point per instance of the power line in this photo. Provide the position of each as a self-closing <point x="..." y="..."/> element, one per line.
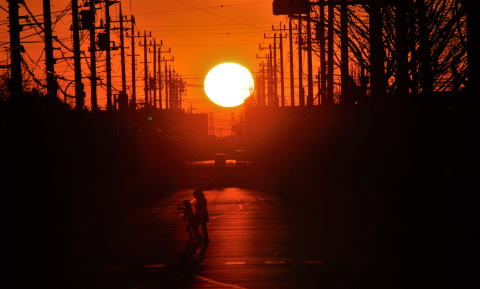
<point x="218" y="15"/>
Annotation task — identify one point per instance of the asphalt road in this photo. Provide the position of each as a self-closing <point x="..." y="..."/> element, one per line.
<point x="258" y="240"/>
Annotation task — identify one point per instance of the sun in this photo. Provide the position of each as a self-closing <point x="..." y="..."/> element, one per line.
<point x="228" y="84"/>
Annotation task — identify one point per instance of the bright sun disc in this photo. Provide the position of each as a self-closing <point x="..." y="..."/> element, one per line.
<point x="228" y="84"/>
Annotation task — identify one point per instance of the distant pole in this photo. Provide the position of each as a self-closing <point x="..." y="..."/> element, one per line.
<point x="15" y="80"/>
<point x="170" y="87"/>
<point x="79" y="93"/>
<point x="262" y="85"/>
<point x="275" y="80"/>
<point x="401" y="53"/>
<point x="309" y="61"/>
<point x="270" y="76"/>
<point x="377" y="54"/>
<point x="93" y="59"/>
<point x="108" y="56"/>
<point x="123" y="98"/>
<point x="154" y="86"/>
<point x="133" y="103"/>
<point x="345" y="94"/>
<point x="323" y="67"/>
<point x="292" y="84"/>
<point x="166" y="85"/>
<point x="145" y="66"/>
<point x="49" y="60"/>
<point x="331" y="19"/>
<point x="300" y="64"/>
<point x="159" y="60"/>
<point x="282" y="81"/>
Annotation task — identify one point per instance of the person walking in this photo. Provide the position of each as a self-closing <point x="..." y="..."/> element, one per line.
<point x="190" y="218"/>
<point x="201" y="215"/>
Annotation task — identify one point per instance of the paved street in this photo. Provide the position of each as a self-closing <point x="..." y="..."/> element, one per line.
<point x="257" y="241"/>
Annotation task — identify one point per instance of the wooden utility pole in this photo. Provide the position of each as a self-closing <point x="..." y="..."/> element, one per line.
<point x="425" y="47"/>
<point x="154" y="77"/>
<point x="323" y="67"/>
<point x="49" y="60"/>
<point x="331" y="19"/>
<point x="79" y="92"/>
<point x="93" y="58"/>
<point x="123" y="98"/>
<point x="270" y="76"/>
<point x="282" y="72"/>
<point x="166" y="85"/>
<point x="345" y="77"/>
<point x="261" y="88"/>
<point x="159" y="59"/>
<point x="160" y="80"/>
<point x="301" y="97"/>
<point x="108" y="55"/>
<point x="170" y="88"/>
<point x="309" y="61"/>
<point x="275" y="80"/>
<point x="145" y="67"/>
<point x="292" y="84"/>
<point x="282" y="76"/>
<point x="133" y="101"/>
<point x="377" y="53"/>
<point x="15" y="81"/>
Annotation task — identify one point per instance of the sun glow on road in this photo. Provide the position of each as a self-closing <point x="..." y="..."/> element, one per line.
<point x="228" y="84"/>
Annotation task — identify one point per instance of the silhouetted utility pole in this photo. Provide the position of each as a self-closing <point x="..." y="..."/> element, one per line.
<point x="301" y="96"/>
<point x="401" y="47"/>
<point x="323" y="67"/>
<point x="282" y="76"/>
<point x="282" y="73"/>
<point x="331" y="18"/>
<point x="15" y="81"/>
<point x="93" y="59"/>
<point x="261" y="88"/>
<point x="168" y="84"/>
<point x="79" y="93"/>
<point x="123" y="98"/>
<point x="346" y="93"/>
<point x="292" y="84"/>
<point x="49" y="60"/>
<point x="145" y="65"/>
<point x="473" y="46"/>
<point x="274" y="97"/>
<point x="425" y="47"/>
<point x="108" y="55"/>
<point x="154" y="76"/>
<point x="160" y="80"/>
<point x="171" y="88"/>
<point x="377" y="53"/>
<point x="309" y="61"/>
<point x="270" y="76"/>
<point x="263" y="85"/>
<point x="133" y="100"/>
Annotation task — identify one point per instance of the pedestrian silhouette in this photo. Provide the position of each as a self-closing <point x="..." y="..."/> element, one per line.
<point x="201" y="215"/>
<point x="190" y="218"/>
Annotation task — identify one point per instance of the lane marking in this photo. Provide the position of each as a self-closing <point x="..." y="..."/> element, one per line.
<point x="203" y="278"/>
<point x="115" y="267"/>
<point x="275" y="262"/>
<point x="315" y="262"/>
<point x="235" y="263"/>
<point x="154" y="266"/>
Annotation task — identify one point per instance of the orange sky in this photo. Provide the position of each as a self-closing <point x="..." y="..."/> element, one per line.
<point x="201" y="34"/>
